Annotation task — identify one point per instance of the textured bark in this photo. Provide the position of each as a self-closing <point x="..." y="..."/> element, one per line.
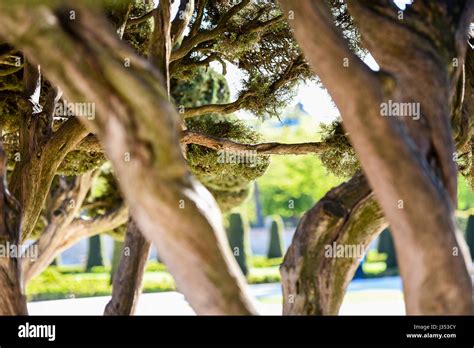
<point x="314" y="283"/>
<point x="408" y="165"/>
<point x="12" y="298"/>
<point x="160" y="42"/>
<point x="128" y="279"/>
<point x="34" y="173"/>
<point x="169" y="206"/>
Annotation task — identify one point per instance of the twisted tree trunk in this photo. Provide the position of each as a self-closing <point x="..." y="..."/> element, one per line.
<point x="139" y="131"/>
<point x="408" y="162"/>
<point x="314" y="276"/>
<point x="12" y="298"/>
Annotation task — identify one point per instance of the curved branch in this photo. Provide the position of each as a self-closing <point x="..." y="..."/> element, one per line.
<point x="383" y="149"/>
<point x="315" y="280"/>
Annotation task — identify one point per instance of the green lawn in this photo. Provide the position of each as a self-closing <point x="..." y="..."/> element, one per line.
<point x="71" y="281"/>
<point x="68" y="282"/>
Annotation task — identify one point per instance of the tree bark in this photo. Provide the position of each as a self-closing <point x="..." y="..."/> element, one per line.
<point x="41" y="151"/>
<point x="128" y="279"/>
<point x="315" y="281"/>
<point x="12" y="298"/>
<point x="174" y="211"/>
<point x="408" y="165"/>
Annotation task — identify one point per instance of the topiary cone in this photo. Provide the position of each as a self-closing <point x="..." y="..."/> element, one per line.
<point x="237" y="233"/>
<point x="276" y="244"/>
<point x="470" y="234"/>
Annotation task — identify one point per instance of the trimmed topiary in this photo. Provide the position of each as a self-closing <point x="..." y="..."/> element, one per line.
<point x="470" y="234"/>
<point x="95" y="255"/>
<point x="237" y="233"/>
<point x="276" y="244"/>
<point x="387" y="246"/>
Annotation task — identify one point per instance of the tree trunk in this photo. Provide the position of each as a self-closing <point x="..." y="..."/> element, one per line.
<point x="128" y="280"/>
<point x="173" y="210"/>
<point x="408" y="164"/>
<point x="12" y="298"/>
<point x="314" y="276"/>
<point x="116" y="256"/>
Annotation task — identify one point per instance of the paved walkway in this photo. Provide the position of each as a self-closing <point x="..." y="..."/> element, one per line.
<point x="365" y="297"/>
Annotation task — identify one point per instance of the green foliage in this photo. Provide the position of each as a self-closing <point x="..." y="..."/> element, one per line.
<point x="276" y="245"/>
<point x="80" y="161"/>
<point x="138" y="36"/>
<point x="259" y="261"/>
<point x="293" y="184"/>
<point x="95" y="253"/>
<point x="210" y="166"/>
<point x="154" y="266"/>
<point x="237" y="233"/>
<point x="229" y="199"/>
<point x="340" y="158"/>
<point x="228" y="181"/>
<point x="465" y="194"/>
<point x="71" y="282"/>
<point x="53" y="284"/>
<point x="204" y="86"/>
<point x="264" y="275"/>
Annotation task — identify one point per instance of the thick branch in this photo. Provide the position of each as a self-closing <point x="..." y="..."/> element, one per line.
<point x="135" y="117"/>
<point x="12" y="298"/>
<point x="34" y="173"/>
<point x="440" y="283"/>
<point x="314" y="280"/>
<point x="128" y="279"/>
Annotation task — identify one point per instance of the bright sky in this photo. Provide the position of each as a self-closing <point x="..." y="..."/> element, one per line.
<point x="315" y="100"/>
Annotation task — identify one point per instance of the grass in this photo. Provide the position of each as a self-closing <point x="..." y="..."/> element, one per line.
<point x="60" y="282"/>
<point x="72" y="282"/>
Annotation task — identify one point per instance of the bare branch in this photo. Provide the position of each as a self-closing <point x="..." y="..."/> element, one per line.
<point x="181" y="21"/>
<point x="221" y="144"/>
